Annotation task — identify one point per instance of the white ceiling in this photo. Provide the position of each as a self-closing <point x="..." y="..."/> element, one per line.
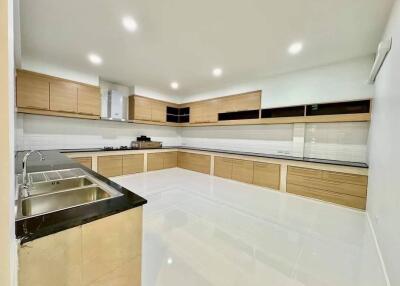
<point x="183" y="40"/>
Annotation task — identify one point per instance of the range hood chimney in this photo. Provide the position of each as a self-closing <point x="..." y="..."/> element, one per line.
<point x="114" y="106"/>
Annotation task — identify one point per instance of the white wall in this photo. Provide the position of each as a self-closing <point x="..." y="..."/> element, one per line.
<point x="337" y="82"/>
<point x="384" y="155"/>
<point x="42" y="132"/>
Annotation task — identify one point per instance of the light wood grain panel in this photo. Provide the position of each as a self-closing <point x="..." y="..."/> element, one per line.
<point x="158" y="111"/>
<point x="243" y="171"/>
<point x="89" y="100"/>
<point x="170" y="159"/>
<point x="241" y="102"/>
<point x="110" y="244"/>
<point x="223" y="167"/>
<point x="345" y="178"/>
<point x="132" y="164"/>
<point x="142" y="108"/>
<point x="56" y="113"/>
<point x="63" y="96"/>
<point x="342" y="199"/>
<point x="109" y="166"/>
<point x="51" y="260"/>
<point x="195" y="162"/>
<point x="267" y="175"/>
<point x="85" y="161"/>
<point x="32" y="91"/>
<point x="337" y="187"/>
<point x="306" y="172"/>
<point x="155" y="161"/>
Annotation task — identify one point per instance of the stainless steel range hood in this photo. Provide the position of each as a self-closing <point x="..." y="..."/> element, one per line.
<point x="114" y="106"/>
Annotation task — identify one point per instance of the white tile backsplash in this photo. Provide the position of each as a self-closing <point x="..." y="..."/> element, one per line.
<point x="335" y="141"/>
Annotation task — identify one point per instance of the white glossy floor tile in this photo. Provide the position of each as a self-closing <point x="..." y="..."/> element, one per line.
<point x="204" y="230"/>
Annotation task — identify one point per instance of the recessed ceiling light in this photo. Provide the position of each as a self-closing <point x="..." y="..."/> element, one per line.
<point x="174" y="85"/>
<point x="217" y="72"/>
<point x="129" y="24"/>
<point x="95" y="59"/>
<point x="295" y="48"/>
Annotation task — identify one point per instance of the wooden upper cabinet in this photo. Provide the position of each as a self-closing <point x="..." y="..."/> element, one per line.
<point x="63" y="96"/>
<point x="32" y="91"/>
<point x="139" y="108"/>
<point x="241" y="102"/>
<point x="204" y="111"/>
<point x="158" y="111"/>
<point x="89" y="101"/>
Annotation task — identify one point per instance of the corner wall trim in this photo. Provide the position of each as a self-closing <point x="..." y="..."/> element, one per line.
<point x="378" y="249"/>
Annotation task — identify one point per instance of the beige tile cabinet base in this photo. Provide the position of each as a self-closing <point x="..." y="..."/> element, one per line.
<point x="101" y="253"/>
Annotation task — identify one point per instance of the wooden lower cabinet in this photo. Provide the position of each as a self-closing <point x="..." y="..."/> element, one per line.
<point x="267" y="175"/>
<point x="162" y="160"/>
<point x="104" y="252"/>
<point x="170" y="159"/>
<point x="341" y="188"/>
<point x="337" y="198"/>
<point x="85" y="161"/>
<point x="194" y="162"/>
<point x="109" y="166"/>
<point x="242" y="171"/>
<point x="132" y="164"/>
<point x="223" y="167"/>
<point x="155" y="161"/>
<point x="247" y="171"/>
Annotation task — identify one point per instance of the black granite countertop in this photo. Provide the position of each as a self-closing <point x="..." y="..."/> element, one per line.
<point x="28" y="229"/>
<point x="262" y="155"/>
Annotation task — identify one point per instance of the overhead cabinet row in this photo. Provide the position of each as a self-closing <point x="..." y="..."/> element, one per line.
<point x="42" y="94"/>
<point x="35" y="91"/>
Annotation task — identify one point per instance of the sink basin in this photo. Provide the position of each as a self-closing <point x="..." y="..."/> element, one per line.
<point x="59" y="185"/>
<point x="51" y="202"/>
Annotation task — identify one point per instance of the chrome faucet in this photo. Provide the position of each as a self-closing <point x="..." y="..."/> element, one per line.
<point x="25" y="179"/>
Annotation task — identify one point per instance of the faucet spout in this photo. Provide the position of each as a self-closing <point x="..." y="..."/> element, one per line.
<point x="25" y="179"/>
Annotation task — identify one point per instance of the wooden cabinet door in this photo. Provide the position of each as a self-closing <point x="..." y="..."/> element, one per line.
<point x="158" y="111"/>
<point x="85" y="161"/>
<point x="132" y="164"/>
<point x="33" y="91"/>
<point x="241" y="102"/>
<point x="223" y="167"/>
<point x="155" y="161"/>
<point x="109" y="166"/>
<point x="142" y="108"/>
<point x="170" y="160"/>
<point x="210" y="111"/>
<point x="267" y="175"/>
<point x="89" y="101"/>
<point x="242" y="171"/>
<point x="196" y="113"/>
<point x="63" y="96"/>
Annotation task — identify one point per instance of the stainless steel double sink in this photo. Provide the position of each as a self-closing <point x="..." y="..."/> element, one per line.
<point x="57" y="190"/>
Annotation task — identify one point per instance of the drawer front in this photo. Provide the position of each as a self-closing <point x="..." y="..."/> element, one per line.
<point x="85" y="161"/>
<point x="195" y="162"/>
<point x="170" y="160"/>
<point x="242" y="171"/>
<point x="223" y="167"/>
<point x="337" y="187"/>
<point x="345" y="178"/>
<point x="133" y="164"/>
<point x="109" y="166"/>
<point x="342" y="199"/>
<point x="305" y="172"/>
<point x="155" y="161"/>
<point x="267" y="175"/>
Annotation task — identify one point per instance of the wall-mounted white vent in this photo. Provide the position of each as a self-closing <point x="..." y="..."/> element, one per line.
<point x="383" y="49"/>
